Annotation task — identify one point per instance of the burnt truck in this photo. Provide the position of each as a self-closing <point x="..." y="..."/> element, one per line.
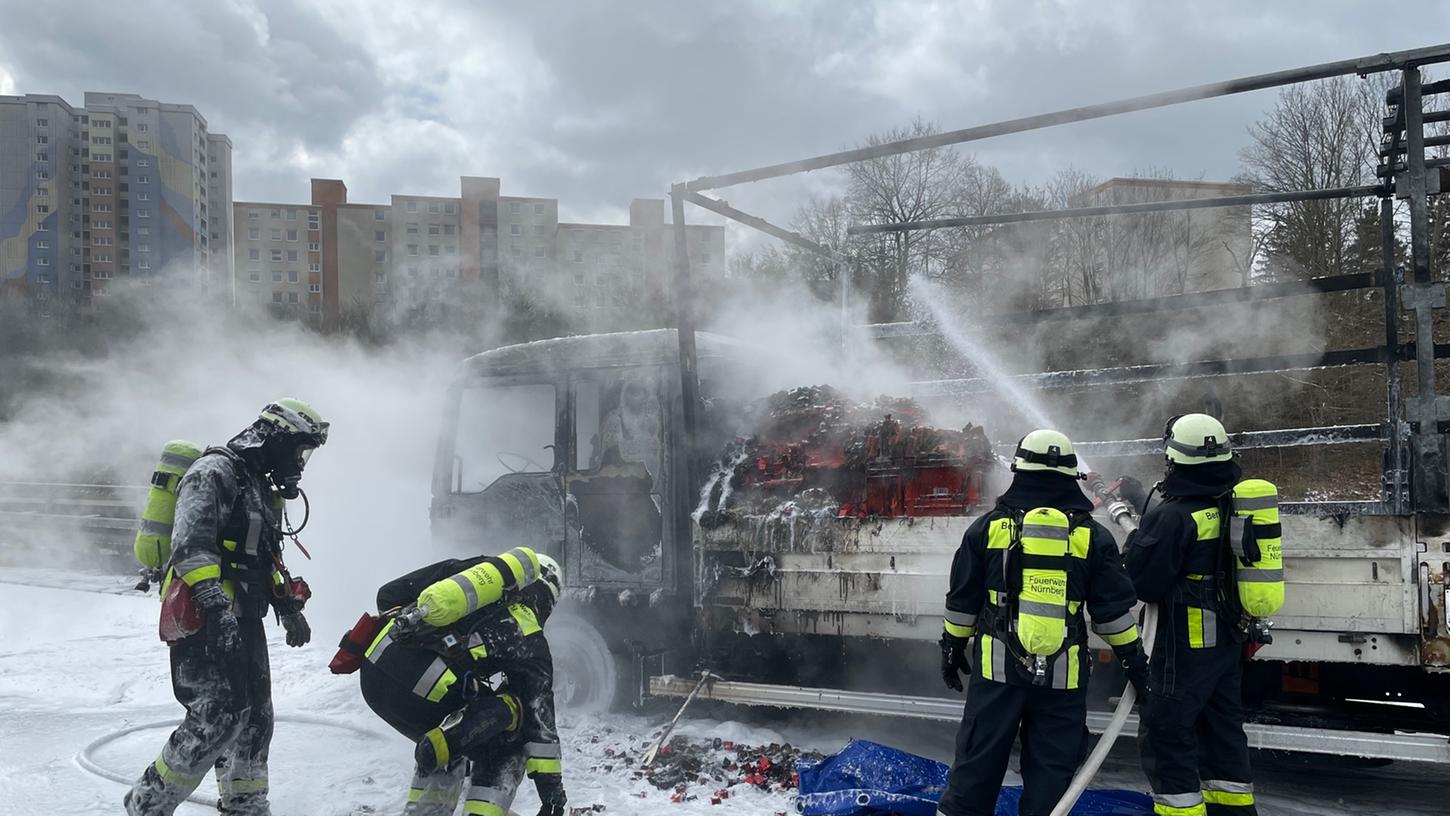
<point x="805" y="562"/>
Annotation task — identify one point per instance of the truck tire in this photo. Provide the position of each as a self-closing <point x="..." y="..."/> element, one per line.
<point x="586" y="670"/>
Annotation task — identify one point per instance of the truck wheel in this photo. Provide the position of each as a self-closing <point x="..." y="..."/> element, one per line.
<point x="586" y="672"/>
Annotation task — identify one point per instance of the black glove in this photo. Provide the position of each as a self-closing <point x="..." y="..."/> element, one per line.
<point x="223" y="633"/>
<point x="1135" y="664"/>
<point x="550" y="787"/>
<point x="1131" y="490"/>
<point x="298" y="632"/>
<point x="953" y="659"/>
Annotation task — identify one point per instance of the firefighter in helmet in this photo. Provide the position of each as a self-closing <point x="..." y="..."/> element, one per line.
<point x="1211" y="591"/>
<point x="1024" y="576"/>
<point x="451" y="627"/>
<point x="223" y="577"/>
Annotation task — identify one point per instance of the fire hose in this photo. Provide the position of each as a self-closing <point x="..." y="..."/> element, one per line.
<point x="1122" y="514"/>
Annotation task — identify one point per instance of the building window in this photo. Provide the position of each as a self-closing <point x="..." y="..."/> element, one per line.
<point x="276" y="297"/>
<point x="411" y="206"/>
<point x="412" y="249"/>
<point x="379" y="236"/>
<point x="291" y="215"/>
<point x="254" y="234"/>
<point x="292" y="276"/>
<point x="515" y="229"/>
<point x="538" y="209"/>
<point x="143" y="248"/>
<point x="42" y="227"/>
<point x="433" y="207"/>
<point x="433" y="229"/>
<point x="276" y="276"/>
<point x="380" y="276"/>
<point x="578" y="256"/>
<point x="42" y="139"/>
<point x="291" y="234"/>
<point x="141" y="230"/>
<point x="514" y="207"/>
<point x="42" y="123"/>
<point x="253" y="215"/>
<point x="452" y="273"/>
<point x="42" y="208"/>
<point x="432" y="249"/>
<point x="42" y="262"/>
<point x="42" y="156"/>
<point x="276" y="234"/>
<point x="255" y="276"/>
<point x="448" y="208"/>
<point x="538" y="252"/>
<point x="448" y="229"/>
<point x="41" y="175"/>
<point x="276" y="256"/>
<point x="143" y="179"/>
<point x="139" y="162"/>
<point x="380" y="215"/>
<point x="143" y="145"/>
<point x="254" y="254"/>
<point x="314" y="246"/>
<point x="292" y="255"/>
<point x="142" y="127"/>
<point x="291" y="297"/>
<point x="412" y="228"/>
<point x="380" y="255"/>
<point x="315" y="288"/>
<point x="143" y="264"/>
<point x="314" y="268"/>
<point x="516" y="250"/>
<point x="143" y="213"/>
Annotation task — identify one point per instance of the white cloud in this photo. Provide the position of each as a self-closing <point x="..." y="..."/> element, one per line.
<point x="7" y="82"/>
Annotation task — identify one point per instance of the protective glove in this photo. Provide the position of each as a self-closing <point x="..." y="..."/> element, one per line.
<point x="1132" y="492"/>
<point x="550" y="787"/>
<point x="953" y="659"/>
<point x="223" y="633"/>
<point x="1135" y="664"/>
<point x="298" y="632"/>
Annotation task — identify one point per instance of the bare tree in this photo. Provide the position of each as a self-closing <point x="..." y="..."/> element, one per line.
<point x="1318" y="135"/>
<point x="913" y="186"/>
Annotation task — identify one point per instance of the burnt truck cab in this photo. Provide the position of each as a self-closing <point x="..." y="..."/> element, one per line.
<point x="571" y="446"/>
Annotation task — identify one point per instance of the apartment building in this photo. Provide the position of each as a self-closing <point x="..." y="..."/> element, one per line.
<point x="420" y="253"/>
<point x="122" y="187"/>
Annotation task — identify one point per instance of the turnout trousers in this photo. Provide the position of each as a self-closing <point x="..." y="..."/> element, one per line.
<point x="1053" y="727"/>
<point x="1192" y="739"/>
<point x="477" y="747"/>
<point x="228" y="727"/>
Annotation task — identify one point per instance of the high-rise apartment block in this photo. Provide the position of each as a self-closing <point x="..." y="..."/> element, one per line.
<point x="332" y="259"/>
<point x="124" y="187"/>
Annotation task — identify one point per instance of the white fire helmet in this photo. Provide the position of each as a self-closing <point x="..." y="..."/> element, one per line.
<point x="1196" y="439"/>
<point x="1046" y="449"/>
<point x="551" y="574"/>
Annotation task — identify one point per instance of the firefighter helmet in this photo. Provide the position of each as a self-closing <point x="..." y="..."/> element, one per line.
<point x="1046" y="449"/>
<point x="551" y="574"/>
<point x="1196" y="439"/>
<point x="293" y="416"/>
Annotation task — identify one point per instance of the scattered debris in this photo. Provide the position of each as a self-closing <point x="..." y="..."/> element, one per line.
<point x="700" y="769"/>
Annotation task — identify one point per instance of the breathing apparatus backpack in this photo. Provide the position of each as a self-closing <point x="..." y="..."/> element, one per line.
<point x="153" y="540"/>
<point x="1254" y="538"/>
<point x="1040" y="545"/>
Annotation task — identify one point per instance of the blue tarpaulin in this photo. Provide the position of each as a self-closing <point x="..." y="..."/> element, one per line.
<point x="869" y="779"/>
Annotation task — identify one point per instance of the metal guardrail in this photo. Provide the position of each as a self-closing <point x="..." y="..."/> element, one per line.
<point x="97" y="513"/>
<point x="1402" y="747"/>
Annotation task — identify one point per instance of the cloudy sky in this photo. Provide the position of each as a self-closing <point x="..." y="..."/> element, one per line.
<point x="598" y="102"/>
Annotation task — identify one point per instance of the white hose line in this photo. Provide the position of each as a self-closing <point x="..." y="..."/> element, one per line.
<point x="86" y="761"/>
<point x="1090" y="768"/>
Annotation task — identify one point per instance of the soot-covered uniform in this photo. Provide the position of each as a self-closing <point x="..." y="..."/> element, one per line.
<point x="431" y="689"/>
<point x="227" y="529"/>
